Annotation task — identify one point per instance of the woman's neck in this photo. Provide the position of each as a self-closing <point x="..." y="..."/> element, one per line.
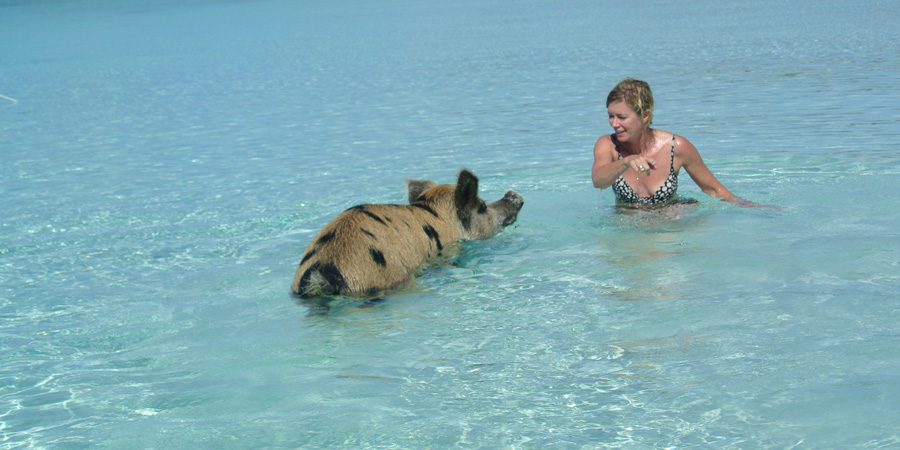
<point x="644" y="142"/>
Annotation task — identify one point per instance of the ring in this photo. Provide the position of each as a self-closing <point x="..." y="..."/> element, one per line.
<point x="640" y="168"/>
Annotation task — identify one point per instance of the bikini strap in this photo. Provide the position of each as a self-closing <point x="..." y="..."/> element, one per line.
<point x="672" y="155"/>
<point x="616" y="141"/>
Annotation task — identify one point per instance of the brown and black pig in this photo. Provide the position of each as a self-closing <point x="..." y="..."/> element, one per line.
<point x="372" y="248"/>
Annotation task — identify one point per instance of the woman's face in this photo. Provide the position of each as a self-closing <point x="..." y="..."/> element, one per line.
<point x="625" y="121"/>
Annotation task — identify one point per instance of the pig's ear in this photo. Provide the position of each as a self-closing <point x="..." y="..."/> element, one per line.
<point x="415" y="188"/>
<point x="466" y="193"/>
<point x="465" y="197"/>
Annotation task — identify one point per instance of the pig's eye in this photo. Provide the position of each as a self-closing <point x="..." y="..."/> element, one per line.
<point x="482" y="208"/>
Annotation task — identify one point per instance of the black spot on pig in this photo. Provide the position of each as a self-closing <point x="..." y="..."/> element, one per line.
<point x="377" y="256"/>
<point x="326" y="237"/>
<point x="425" y="207"/>
<point x="333" y="279"/>
<point x="433" y="235"/>
<point x="308" y="255"/>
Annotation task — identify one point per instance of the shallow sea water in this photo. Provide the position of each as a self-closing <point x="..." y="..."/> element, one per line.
<point x="164" y="164"/>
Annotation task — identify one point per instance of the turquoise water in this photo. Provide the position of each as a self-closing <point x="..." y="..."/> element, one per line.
<point x="165" y="163"/>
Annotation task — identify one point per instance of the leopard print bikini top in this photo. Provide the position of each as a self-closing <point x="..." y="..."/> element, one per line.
<point x="665" y="193"/>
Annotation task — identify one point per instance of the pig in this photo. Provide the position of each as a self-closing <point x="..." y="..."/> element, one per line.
<point x="372" y="248"/>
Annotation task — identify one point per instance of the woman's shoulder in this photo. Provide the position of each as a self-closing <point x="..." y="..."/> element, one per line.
<point x="664" y="136"/>
<point x="680" y="142"/>
<point x="684" y="149"/>
<point x="605" y="142"/>
<point x="605" y="148"/>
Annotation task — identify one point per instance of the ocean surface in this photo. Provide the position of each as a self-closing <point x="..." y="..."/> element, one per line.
<point x="163" y="164"/>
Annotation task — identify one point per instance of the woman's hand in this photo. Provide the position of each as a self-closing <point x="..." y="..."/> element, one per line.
<point x="640" y="163"/>
<point x="748" y="204"/>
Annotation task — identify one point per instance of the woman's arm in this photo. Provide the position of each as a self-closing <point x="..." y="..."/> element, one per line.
<point x="696" y="168"/>
<point x="607" y="168"/>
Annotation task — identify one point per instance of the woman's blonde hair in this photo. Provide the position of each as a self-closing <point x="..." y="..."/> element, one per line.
<point x="635" y="93"/>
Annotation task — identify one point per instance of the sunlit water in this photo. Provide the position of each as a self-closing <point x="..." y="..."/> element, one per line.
<point x="164" y="165"/>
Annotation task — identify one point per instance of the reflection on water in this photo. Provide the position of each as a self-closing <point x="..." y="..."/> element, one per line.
<point x="649" y="248"/>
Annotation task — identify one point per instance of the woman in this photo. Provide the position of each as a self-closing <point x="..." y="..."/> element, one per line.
<point x="641" y="163"/>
